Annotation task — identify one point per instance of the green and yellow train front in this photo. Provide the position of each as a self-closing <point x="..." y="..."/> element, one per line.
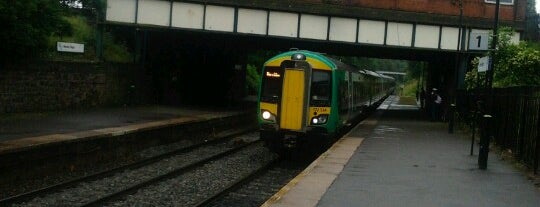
<point x="297" y="98"/>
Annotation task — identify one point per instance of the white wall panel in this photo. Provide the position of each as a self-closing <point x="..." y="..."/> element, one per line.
<point x="121" y="11"/>
<point x="283" y="24"/>
<point x="427" y="36"/>
<point x="154" y="12"/>
<point x="450" y="38"/>
<point x="399" y="34"/>
<point x="371" y="32"/>
<point x="313" y="27"/>
<point x="188" y="15"/>
<point x="343" y="29"/>
<point x="252" y="21"/>
<point x="219" y="18"/>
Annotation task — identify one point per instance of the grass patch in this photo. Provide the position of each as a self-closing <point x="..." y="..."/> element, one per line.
<point x="407" y="100"/>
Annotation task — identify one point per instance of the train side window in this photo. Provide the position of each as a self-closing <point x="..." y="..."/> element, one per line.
<point x="271" y="84"/>
<point x="320" y="88"/>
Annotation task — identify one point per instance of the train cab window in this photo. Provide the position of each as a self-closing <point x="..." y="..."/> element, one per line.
<point x="271" y="84"/>
<point x="320" y="88"/>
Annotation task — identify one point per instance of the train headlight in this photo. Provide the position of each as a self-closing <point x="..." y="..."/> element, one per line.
<point x="321" y="119"/>
<point x="266" y="115"/>
<point x="298" y="56"/>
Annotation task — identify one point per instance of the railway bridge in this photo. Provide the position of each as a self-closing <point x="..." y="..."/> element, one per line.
<point x="446" y="34"/>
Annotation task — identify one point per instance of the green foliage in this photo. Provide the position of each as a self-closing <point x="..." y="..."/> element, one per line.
<point x="474" y="79"/>
<point x="409" y="89"/>
<point x="255" y="63"/>
<point x="515" y="64"/>
<point x="26" y="25"/>
<point x="84" y="33"/>
<point x="81" y="33"/>
<point x="115" y="52"/>
<point x="258" y="58"/>
<point x="413" y="71"/>
<point x="252" y="79"/>
<point x="520" y="66"/>
<point x="31" y="28"/>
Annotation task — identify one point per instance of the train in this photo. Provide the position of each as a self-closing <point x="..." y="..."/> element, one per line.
<point x="309" y="98"/>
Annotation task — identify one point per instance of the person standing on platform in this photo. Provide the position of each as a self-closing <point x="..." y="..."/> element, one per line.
<point x="435" y="105"/>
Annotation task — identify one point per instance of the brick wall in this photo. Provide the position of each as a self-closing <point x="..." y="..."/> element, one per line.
<point x="471" y="8"/>
<point x="54" y="86"/>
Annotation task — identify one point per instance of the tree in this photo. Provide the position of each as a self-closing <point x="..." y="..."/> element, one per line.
<point x="26" y="26"/>
<point x="516" y="64"/>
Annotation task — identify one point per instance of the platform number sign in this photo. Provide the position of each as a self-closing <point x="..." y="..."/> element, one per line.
<point x="478" y="41"/>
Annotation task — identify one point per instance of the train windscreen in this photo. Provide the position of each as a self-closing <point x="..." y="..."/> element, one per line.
<point x="272" y="84"/>
<point x="320" y="88"/>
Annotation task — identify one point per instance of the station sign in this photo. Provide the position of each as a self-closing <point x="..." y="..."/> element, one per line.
<point x="69" y="47"/>
<point x="483" y="64"/>
<point x="478" y="41"/>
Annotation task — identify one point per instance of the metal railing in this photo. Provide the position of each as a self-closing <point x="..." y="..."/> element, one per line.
<point x="516" y="119"/>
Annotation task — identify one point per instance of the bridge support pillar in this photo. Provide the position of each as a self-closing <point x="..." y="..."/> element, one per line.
<point x="462" y="70"/>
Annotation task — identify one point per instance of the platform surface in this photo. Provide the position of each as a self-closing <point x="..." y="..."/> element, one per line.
<point x="18" y="131"/>
<point x="397" y="157"/>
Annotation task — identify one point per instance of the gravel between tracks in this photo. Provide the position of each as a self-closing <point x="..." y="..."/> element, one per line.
<point x="190" y="188"/>
<point x="86" y="191"/>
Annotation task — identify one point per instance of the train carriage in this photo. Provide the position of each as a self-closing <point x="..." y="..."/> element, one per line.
<point x="309" y="97"/>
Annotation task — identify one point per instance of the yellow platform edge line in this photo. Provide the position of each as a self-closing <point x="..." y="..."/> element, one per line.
<point x="285" y="189"/>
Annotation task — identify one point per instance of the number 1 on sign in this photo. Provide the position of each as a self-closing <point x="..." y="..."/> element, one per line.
<point x="479" y="38"/>
<point x="478" y="41"/>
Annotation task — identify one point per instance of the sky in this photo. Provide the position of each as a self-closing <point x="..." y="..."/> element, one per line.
<point x="537" y="6"/>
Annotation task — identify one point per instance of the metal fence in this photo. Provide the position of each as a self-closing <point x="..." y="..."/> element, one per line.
<point x="515" y="124"/>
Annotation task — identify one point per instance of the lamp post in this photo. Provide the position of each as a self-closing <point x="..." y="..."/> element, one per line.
<point x="490" y="72"/>
<point x="486" y="121"/>
<point x="458" y="65"/>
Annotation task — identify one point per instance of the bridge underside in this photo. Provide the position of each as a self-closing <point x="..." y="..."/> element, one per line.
<point x="165" y="38"/>
<point x="196" y="67"/>
<point x="195" y="39"/>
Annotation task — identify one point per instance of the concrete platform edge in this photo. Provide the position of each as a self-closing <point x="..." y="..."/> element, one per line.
<point x="307" y="188"/>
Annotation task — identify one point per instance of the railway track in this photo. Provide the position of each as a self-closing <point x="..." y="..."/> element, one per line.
<point x="257" y="188"/>
<point x="114" y="187"/>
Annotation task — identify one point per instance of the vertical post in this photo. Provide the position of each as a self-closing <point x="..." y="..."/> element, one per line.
<point x="99" y="29"/>
<point x="473" y="131"/>
<point x="537" y="149"/>
<point x="485" y="135"/>
<point x="491" y="71"/>
<point x="138" y="46"/>
<point x="144" y="47"/>
<point x="451" y="118"/>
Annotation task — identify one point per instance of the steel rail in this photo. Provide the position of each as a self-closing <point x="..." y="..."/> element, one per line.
<point x="133" y="188"/>
<point x="95" y="176"/>
<point x="237" y="184"/>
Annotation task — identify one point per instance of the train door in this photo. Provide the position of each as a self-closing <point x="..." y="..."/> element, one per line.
<point x="293" y="107"/>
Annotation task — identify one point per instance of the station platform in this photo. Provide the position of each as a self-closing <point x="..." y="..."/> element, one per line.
<point x="397" y="157"/>
<point x="31" y="130"/>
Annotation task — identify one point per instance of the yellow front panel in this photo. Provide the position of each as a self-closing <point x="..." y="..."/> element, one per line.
<point x="271" y="107"/>
<point x="292" y="102"/>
